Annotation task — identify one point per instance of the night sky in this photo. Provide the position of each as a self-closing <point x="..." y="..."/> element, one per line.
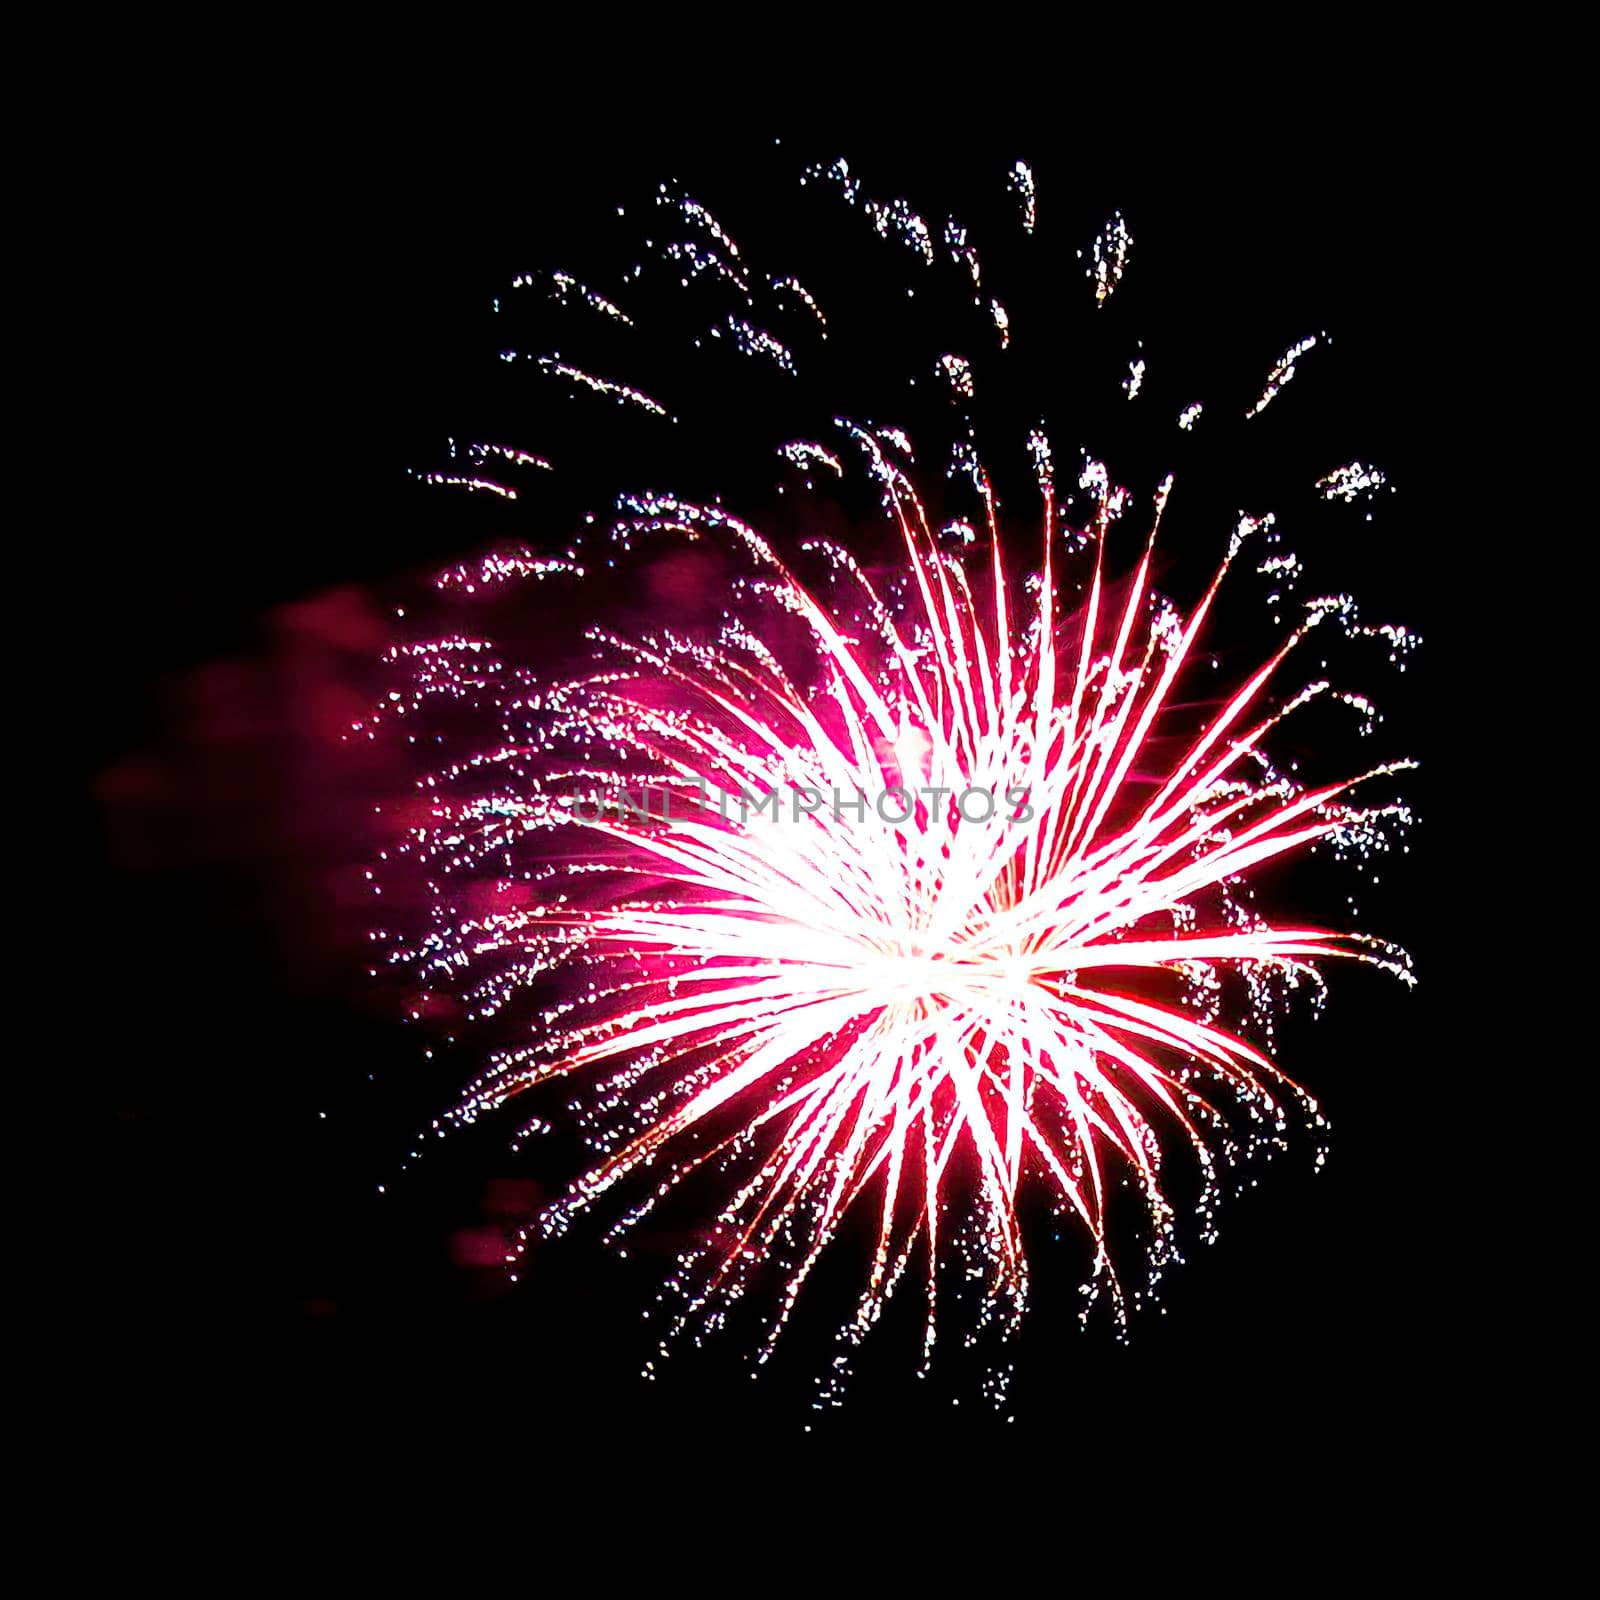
<point x="304" y="316"/>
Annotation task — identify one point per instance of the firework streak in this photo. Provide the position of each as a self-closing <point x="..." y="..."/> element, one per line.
<point x="924" y="1016"/>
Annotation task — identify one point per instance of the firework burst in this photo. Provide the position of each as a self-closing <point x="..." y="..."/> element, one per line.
<point x="900" y="892"/>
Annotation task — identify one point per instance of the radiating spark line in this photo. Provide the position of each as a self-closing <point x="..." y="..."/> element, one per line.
<point x="1351" y="482"/>
<point x="1022" y="185"/>
<point x="1283" y="372"/>
<point x="1108" y="258"/>
<point x="567" y="289"/>
<point x="605" y="386"/>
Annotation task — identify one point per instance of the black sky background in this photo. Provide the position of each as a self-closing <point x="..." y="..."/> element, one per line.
<point x="298" y="312"/>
